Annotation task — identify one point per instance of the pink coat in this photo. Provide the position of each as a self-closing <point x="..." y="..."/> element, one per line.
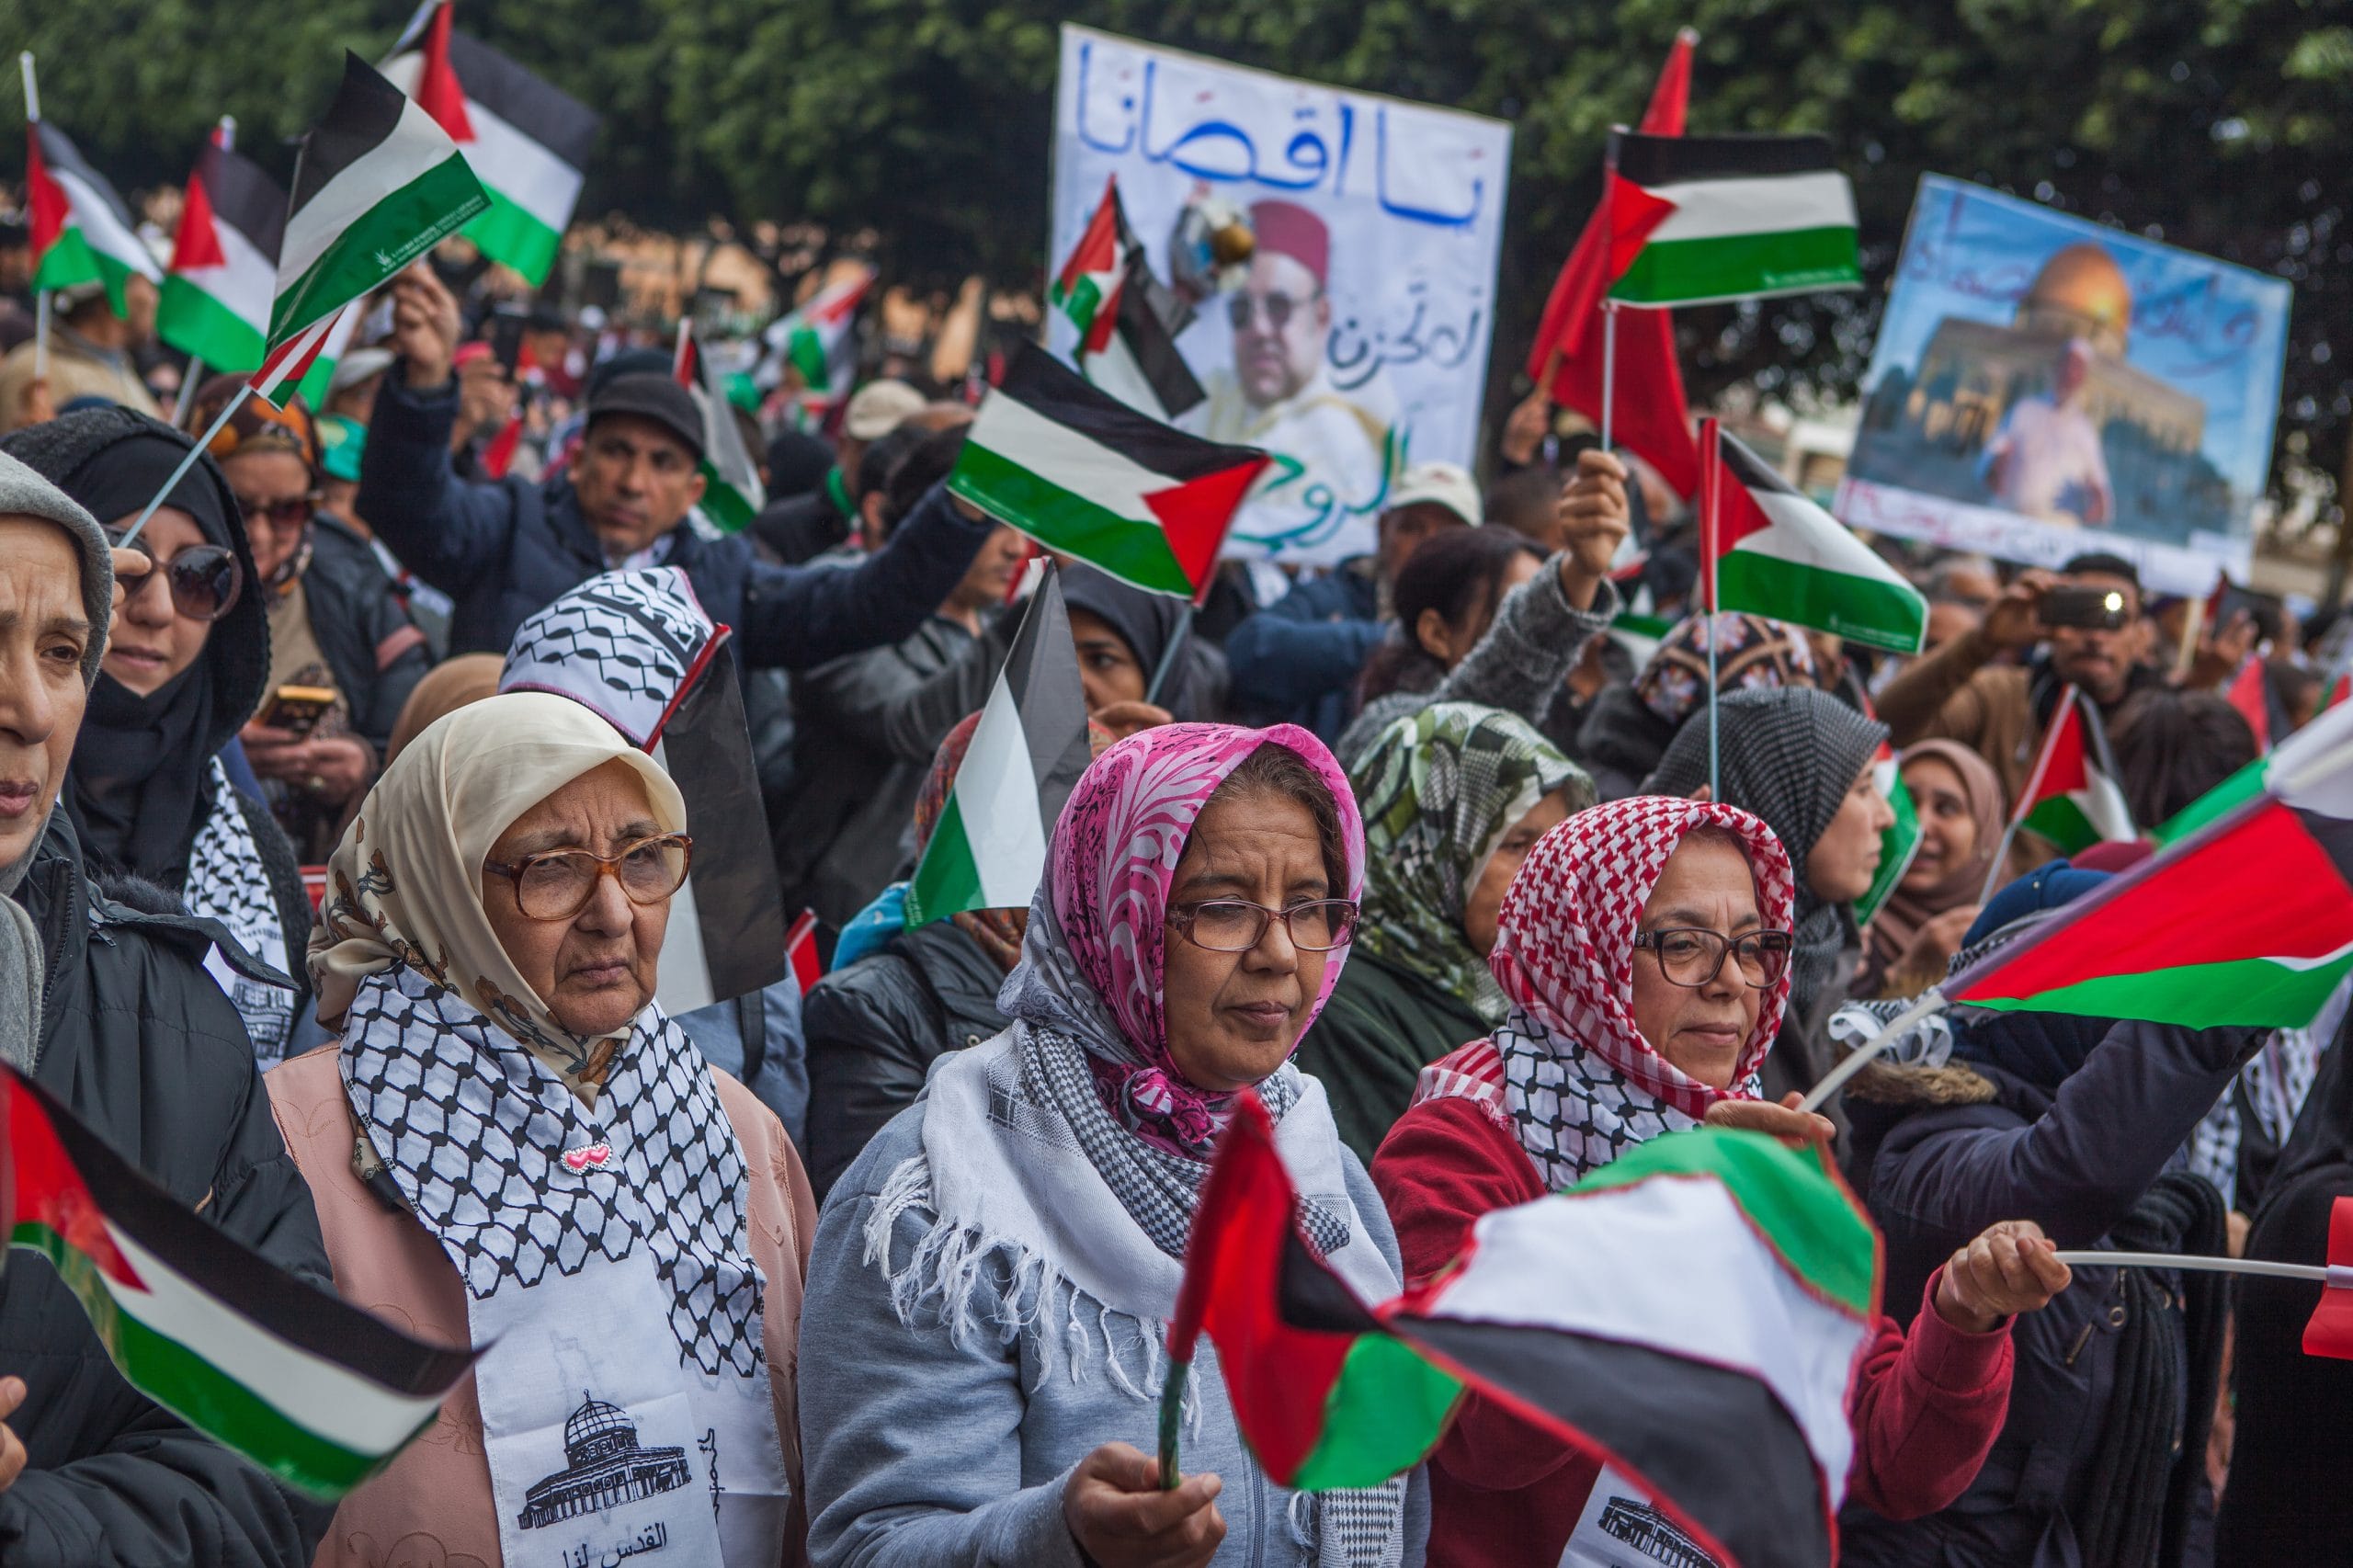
<point x="433" y="1507"/>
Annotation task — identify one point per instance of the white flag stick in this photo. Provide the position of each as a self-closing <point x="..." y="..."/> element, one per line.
<point x="2310" y="1271"/>
<point x="1929" y="1002"/>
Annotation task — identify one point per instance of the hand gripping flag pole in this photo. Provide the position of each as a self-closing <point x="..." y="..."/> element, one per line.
<point x="2330" y="1330"/>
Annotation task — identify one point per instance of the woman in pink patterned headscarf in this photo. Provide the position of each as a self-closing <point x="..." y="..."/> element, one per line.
<point x="992" y="1279"/>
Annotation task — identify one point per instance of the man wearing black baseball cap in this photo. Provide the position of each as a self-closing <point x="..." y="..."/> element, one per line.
<point x="505" y="550"/>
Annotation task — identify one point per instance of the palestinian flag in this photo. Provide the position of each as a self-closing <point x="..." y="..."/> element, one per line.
<point x="317" y="1392"/>
<point x="818" y="343"/>
<point x="988" y="848"/>
<point x="1085" y="475"/>
<point x="1699" y="219"/>
<point x="733" y="495"/>
<point x="2247" y="921"/>
<point x="1324" y="1395"/>
<point x="82" y="233"/>
<point x="1773" y="553"/>
<point x="637" y="649"/>
<point x="1137" y="362"/>
<point x="526" y="140"/>
<point x="377" y="185"/>
<point x="224" y="275"/>
<point x="1087" y="288"/>
<point x="316" y="381"/>
<point x="1899" y="843"/>
<point x="800" y="953"/>
<point x="1693" y="1315"/>
<point x="2335" y="692"/>
<point x="2071" y="798"/>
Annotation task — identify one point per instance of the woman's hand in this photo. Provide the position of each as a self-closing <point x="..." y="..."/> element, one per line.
<point x="334" y="767"/>
<point x="1125" y="719"/>
<point x="12" y="1447"/>
<point x="1121" y="1518"/>
<point x="1593" y="520"/>
<point x="1933" y="945"/>
<point x="2013" y="1267"/>
<point x="1786" y="1121"/>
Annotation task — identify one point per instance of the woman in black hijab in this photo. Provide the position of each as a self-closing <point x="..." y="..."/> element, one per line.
<point x="186" y="665"/>
<point x="1124" y="635"/>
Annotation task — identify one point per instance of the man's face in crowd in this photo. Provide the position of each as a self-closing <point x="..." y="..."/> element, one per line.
<point x="43" y="631"/>
<point x="1403" y="528"/>
<point x="635" y="480"/>
<point x="1279" y="322"/>
<point x="2094" y="658"/>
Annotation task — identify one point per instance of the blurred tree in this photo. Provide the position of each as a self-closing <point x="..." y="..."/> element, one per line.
<point x="2225" y="126"/>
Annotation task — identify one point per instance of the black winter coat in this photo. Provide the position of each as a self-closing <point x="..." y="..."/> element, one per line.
<point x="377" y="653"/>
<point x="138" y="1040"/>
<point x="506" y="550"/>
<point x="1942" y="1153"/>
<point x="875" y="1028"/>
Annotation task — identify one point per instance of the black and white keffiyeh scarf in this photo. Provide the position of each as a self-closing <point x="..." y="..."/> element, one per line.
<point x="228" y="882"/>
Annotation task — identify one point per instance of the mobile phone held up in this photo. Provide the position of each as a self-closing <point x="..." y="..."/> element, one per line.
<point x="2091" y="609"/>
<point x="298" y="708"/>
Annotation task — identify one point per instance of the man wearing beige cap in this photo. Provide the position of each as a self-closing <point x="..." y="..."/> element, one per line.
<point x="801" y="528"/>
<point x="89" y="355"/>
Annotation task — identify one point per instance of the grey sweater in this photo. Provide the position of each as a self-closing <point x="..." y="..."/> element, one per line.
<point x="922" y="1454"/>
<point x="1519" y="666"/>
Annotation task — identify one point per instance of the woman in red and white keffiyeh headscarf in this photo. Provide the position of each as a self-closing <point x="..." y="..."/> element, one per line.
<point x="1644" y="947"/>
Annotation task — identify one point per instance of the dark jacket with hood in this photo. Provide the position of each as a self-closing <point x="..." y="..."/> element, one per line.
<point x="140" y="1042"/>
<point x="238" y="655"/>
<point x="2071" y="1123"/>
<point x="376" y="653"/>
<point x="505" y="550"/>
<point x="1297" y="659"/>
<point x="1620" y="742"/>
<point x="876" y="1027"/>
<point x="1381" y="1026"/>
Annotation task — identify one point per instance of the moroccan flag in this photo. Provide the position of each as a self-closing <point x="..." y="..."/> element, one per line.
<point x="1773" y="553"/>
<point x="377" y="185"/>
<point x="1649" y="417"/>
<point x="1693" y="1313"/>
<point x="733" y="495"/>
<point x="1899" y="843"/>
<point x="319" y="1393"/>
<point x="818" y="342"/>
<point x="82" y="233"/>
<point x="2071" y="798"/>
<point x="224" y="275"/>
<point x="1700" y="219"/>
<point x="1085" y="475"/>
<point x="988" y="848"/>
<point x="527" y="141"/>
<point x="1325" y="1396"/>
<point x="2248" y="920"/>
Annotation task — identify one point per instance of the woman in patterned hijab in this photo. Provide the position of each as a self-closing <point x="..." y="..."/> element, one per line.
<point x="993" y="1277"/>
<point x="1454" y="797"/>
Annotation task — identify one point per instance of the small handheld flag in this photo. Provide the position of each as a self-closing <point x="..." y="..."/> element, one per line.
<point x="2071" y="798"/>
<point x="818" y="343"/>
<point x="800" y="952"/>
<point x="988" y="848"/>
<point x="1085" y="474"/>
<point x="318" y="1393"/>
<point x="1901" y="841"/>
<point x="1126" y="320"/>
<point x="2330" y="1331"/>
<point x="223" y="277"/>
<point x="1696" y="220"/>
<point x="733" y="495"/>
<point x="82" y="233"/>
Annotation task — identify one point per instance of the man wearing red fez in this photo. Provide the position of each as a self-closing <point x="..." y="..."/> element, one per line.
<point x="1279" y="396"/>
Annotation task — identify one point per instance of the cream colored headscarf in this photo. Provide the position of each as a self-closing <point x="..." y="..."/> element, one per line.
<point x="404" y="886"/>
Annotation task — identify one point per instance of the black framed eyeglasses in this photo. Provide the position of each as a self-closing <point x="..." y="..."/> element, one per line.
<point x="1237" y="925"/>
<point x="556" y="884"/>
<point x="204" y="580"/>
<point x="1692" y="956"/>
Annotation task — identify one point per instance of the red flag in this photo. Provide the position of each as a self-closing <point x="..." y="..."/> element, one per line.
<point x="499" y="455"/>
<point x="198" y="243"/>
<point x="2250" y="695"/>
<point x="800" y="951"/>
<point x="2330" y="1332"/>
<point x="1651" y="419"/>
<point x="439" y="92"/>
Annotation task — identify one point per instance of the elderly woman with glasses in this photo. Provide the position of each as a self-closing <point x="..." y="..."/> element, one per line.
<point x="186" y="662"/>
<point x="1644" y="949"/>
<point x="512" y="1146"/>
<point x="983" y="1348"/>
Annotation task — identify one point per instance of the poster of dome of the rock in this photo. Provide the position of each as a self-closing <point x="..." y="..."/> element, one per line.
<point x="2043" y="386"/>
<point x="1354" y="339"/>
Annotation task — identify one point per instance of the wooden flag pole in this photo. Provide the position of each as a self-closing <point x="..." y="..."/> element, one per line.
<point x="1929" y="1003"/>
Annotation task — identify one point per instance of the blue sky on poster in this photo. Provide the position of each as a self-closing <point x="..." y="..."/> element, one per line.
<point x="2216" y="330"/>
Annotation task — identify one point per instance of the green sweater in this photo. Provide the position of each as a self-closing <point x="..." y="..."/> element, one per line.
<point x="1381" y="1029"/>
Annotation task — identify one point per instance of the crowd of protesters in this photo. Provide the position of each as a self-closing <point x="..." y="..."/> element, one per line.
<point x="1429" y="850"/>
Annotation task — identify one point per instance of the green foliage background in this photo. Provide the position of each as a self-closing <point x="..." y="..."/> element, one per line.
<point x="2225" y="126"/>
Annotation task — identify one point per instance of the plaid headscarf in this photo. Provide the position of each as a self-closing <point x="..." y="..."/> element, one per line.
<point x="1580" y="1081"/>
<point x="1439" y="789"/>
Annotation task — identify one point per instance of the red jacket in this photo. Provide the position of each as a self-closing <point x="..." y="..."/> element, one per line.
<point x="1505" y="1493"/>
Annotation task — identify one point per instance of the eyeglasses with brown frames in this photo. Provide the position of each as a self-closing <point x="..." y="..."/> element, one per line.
<point x="556" y="884"/>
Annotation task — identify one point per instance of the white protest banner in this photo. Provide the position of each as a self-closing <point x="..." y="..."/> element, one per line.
<point x="1355" y="340"/>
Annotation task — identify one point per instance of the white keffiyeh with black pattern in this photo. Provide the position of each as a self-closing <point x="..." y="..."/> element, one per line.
<point x="228" y="882"/>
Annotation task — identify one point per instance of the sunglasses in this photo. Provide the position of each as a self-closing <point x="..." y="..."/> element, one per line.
<point x="1242" y="308"/>
<point x="292" y="513"/>
<point x="204" y="579"/>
